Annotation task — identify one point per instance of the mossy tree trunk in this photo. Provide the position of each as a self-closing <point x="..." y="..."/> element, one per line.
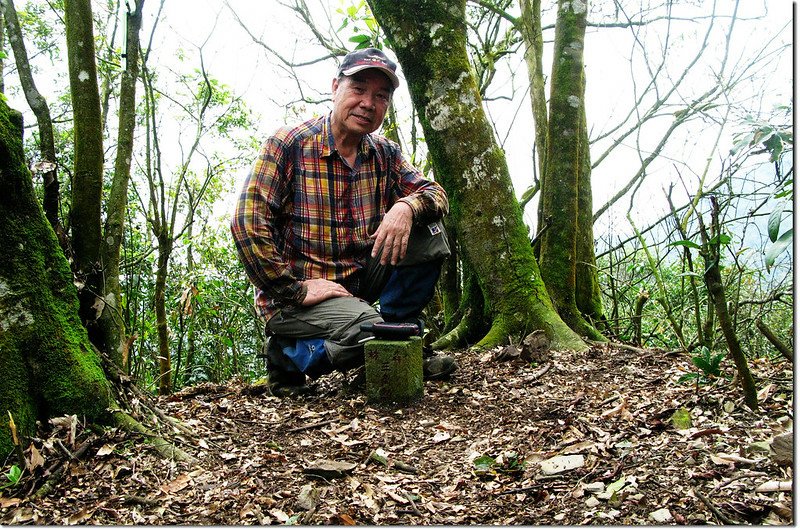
<point x="530" y="27"/>
<point x="111" y="322"/>
<point x="587" y="285"/>
<point x="565" y="162"/>
<point x="430" y="42"/>
<point x="37" y="103"/>
<point x="49" y="366"/>
<point x="87" y="179"/>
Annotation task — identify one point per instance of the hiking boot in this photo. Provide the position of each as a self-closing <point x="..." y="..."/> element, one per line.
<point x="285" y="380"/>
<point x="438" y="367"/>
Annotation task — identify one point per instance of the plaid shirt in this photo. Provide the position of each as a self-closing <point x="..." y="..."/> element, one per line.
<point x="304" y="213"/>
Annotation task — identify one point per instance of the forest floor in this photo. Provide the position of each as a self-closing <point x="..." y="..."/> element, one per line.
<point x="577" y="439"/>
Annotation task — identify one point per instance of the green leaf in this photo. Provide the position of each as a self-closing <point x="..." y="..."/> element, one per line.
<point x="775" y="249"/>
<point x="688" y="377"/>
<point x="14" y="474"/>
<point x="616" y="486"/>
<point x="774" y="222"/>
<point x="721" y="239"/>
<point x="484" y="466"/>
<point x="685" y="243"/>
<point x="359" y="38"/>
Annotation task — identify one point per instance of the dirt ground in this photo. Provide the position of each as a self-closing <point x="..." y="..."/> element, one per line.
<point x="591" y="438"/>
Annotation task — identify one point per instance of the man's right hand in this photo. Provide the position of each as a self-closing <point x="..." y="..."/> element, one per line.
<point x="319" y="290"/>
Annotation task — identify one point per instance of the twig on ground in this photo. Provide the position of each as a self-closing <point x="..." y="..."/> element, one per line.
<point x="716" y="511"/>
<point x="312" y="425"/>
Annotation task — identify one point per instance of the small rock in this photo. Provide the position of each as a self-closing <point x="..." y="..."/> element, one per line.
<point x="329" y="469"/>
<point x="661" y="516"/>
<point x="595" y="487"/>
<point x="559" y="516"/>
<point x="783" y="448"/>
<point x="559" y="464"/>
<point x="592" y="502"/>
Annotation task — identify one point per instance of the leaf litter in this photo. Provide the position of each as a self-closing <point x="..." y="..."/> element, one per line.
<point x="591" y="440"/>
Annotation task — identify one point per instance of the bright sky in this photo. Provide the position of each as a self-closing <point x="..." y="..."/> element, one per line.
<point x="231" y="57"/>
<point x="234" y="58"/>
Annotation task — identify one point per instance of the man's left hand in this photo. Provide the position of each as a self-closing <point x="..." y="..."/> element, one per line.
<point x="391" y="237"/>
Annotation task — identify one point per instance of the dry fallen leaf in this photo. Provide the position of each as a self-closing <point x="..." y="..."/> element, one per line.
<point x="107" y="449"/>
<point x="36" y="459"/>
<point x="180" y="482"/>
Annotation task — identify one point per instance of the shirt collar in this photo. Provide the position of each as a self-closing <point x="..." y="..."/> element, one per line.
<point x="366" y="146"/>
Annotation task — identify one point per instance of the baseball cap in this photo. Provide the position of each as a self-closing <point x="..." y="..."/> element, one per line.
<point x="358" y="60"/>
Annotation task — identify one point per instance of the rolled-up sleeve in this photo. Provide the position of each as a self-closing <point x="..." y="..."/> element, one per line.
<point x="427" y="199"/>
<point x="263" y="197"/>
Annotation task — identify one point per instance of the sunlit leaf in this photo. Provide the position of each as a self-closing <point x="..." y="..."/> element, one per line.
<point x="774" y="222"/>
<point x="775" y="249"/>
<point x="684" y="243"/>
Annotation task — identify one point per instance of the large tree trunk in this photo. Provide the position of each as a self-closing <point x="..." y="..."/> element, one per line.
<point x="87" y="183"/>
<point x="111" y="323"/>
<point x="37" y="103"/>
<point x="49" y="366"/>
<point x="430" y="41"/>
<point x="559" y="241"/>
<point x="587" y="286"/>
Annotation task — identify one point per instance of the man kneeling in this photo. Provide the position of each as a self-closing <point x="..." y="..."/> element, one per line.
<point x="323" y="226"/>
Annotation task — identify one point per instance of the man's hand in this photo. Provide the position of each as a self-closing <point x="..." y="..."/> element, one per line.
<point x="320" y="290"/>
<point x="391" y="237"/>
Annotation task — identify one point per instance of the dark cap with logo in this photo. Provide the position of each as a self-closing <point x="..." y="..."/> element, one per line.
<point x="369" y="58"/>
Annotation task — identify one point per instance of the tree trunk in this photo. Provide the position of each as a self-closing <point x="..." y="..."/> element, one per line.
<point x="530" y="27"/>
<point x="37" y="103"/>
<point x="587" y="285"/>
<point x="164" y="359"/>
<point x="565" y="152"/>
<point x="49" y="366"/>
<point x="87" y="180"/>
<point x="111" y="322"/>
<point x="716" y="290"/>
<point x="430" y="42"/>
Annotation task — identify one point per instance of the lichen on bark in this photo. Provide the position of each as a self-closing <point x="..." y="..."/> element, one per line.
<point x="429" y="39"/>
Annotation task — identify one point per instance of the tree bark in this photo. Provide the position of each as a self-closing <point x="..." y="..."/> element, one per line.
<point x="37" y="103"/>
<point x="716" y="290"/>
<point x="49" y="366"/>
<point x="587" y="285"/>
<point x="565" y="160"/>
<point x="782" y="347"/>
<point x="87" y="180"/>
<point x="111" y="322"/>
<point x="430" y="42"/>
<point x="530" y="27"/>
<point x="164" y="358"/>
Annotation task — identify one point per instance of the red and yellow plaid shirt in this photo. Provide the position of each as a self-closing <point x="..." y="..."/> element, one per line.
<point x="304" y="213"/>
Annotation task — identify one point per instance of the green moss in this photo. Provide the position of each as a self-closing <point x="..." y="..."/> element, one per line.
<point x="429" y="38"/>
<point x="48" y="365"/>
<point x="393" y="371"/>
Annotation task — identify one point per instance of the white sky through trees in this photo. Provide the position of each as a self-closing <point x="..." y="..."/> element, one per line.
<point x="615" y="72"/>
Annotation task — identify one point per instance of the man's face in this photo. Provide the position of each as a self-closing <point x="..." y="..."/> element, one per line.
<point x="360" y="101"/>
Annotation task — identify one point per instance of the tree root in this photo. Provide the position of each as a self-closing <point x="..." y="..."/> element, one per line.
<point x="163" y="447"/>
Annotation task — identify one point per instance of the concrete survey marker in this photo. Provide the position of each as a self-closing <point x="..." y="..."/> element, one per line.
<point x="393" y="371"/>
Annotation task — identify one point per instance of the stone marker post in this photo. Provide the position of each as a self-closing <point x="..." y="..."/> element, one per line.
<point x="394" y="371"/>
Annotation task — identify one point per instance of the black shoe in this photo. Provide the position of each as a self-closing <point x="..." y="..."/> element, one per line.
<point x="285" y="380"/>
<point x="438" y="367"/>
<point x="283" y="390"/>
